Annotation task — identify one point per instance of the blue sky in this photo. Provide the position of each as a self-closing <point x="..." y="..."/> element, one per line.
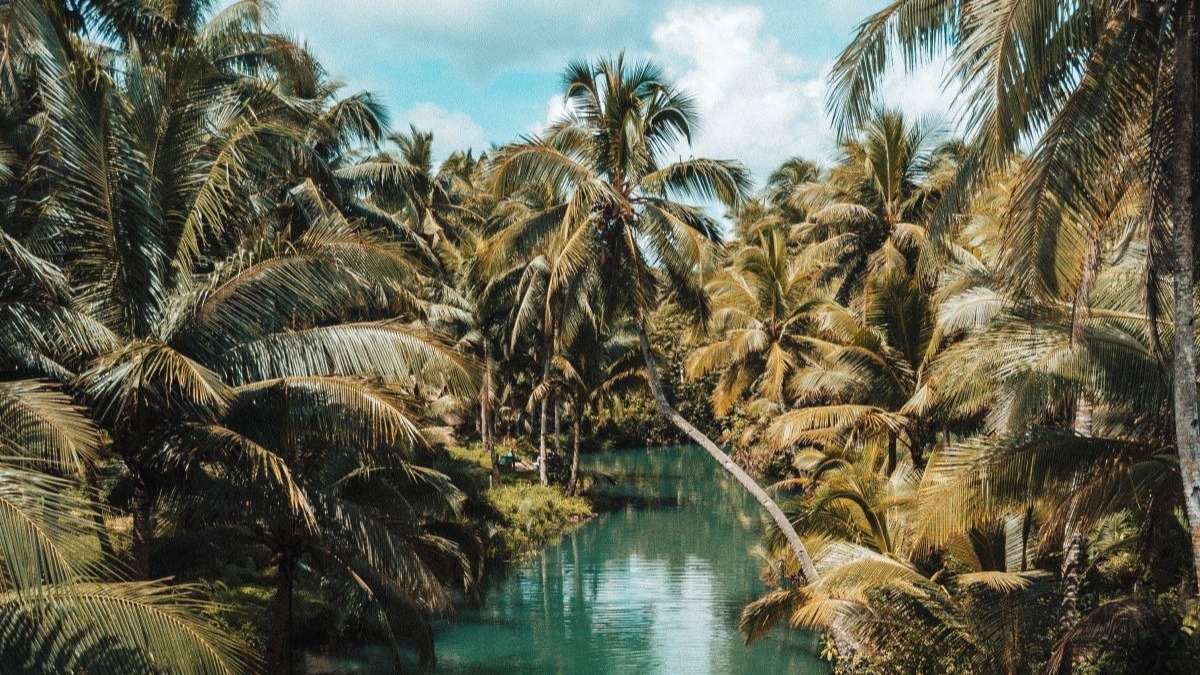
<point x="477" y="72"/>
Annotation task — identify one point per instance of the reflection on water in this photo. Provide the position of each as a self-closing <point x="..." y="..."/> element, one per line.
<point x="641" y="590"/>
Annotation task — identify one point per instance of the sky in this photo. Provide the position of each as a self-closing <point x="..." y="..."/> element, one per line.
<point x="482" y="72"/>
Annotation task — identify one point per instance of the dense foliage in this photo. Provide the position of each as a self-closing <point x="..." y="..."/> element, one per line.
<point x="244" y="323"/>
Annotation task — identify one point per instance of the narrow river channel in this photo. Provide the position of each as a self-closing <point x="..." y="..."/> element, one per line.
<point x="655" y="587"/>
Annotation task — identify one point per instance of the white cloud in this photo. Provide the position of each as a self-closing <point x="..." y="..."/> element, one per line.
<point x="556" y="108"/>
<point x="758" y="102"/>
<point x="451" y="130"/>
<point x="920" y="92"/>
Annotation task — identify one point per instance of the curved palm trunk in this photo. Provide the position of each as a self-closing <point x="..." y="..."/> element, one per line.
<point x="730" y="467"/>
<point x="1187" y="433"/>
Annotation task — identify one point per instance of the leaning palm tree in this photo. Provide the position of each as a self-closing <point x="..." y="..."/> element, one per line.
<point x="1083" y="84"/>
<point x="624" y="236"/>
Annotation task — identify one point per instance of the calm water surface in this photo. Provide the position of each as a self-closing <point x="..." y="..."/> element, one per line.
<point x="650" y="589"/>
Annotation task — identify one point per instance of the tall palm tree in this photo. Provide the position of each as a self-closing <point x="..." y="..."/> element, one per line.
<point x="1081" y="83"/>
<point x="624" y="236"/>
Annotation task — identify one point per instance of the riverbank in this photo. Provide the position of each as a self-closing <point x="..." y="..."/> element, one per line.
<point x="652" y="587"/>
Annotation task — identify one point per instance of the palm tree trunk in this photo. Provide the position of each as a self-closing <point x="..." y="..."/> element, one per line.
<point x="891" y="450"/>
<point x="485" y="412"/>
<point x="557" y="428"/>
<point x="1072" y="569"/>
<point x="142" y="507"/>
<point x="730" y="467"/>
<point x="279" y="645"/>
<point x="543" y="477"/>
<point x="1187" y="427"/>
<point x="1072" y="551"/>
<point x="576" y="431"/>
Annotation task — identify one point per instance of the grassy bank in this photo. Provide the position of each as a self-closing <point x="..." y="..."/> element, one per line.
<point x="535" y="515"/>
<point x="530" y="515"/>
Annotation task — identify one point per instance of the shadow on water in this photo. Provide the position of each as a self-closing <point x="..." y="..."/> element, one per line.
<point x="654" y="586"/>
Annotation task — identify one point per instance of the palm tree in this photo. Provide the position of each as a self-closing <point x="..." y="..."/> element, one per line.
<point x="171" y="320"/>
<point x="763" y="322"/>
<point x="334" y="474"/>
<point x="624" y="237"/>
<point x="1083" y="83"/>
<point x="66" y="606"/>
<point x="594" y="368"/>
<point x="869" y="214"/>
<point x="884" y="595"/>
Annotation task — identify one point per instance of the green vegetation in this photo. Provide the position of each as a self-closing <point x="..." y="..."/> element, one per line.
<point x="245" y="326"/>
<point x="535" y="515"/>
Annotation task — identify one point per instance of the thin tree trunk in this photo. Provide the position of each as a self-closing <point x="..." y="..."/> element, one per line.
<point x="279" y="646"/>
<point x="576" y="432"/>
<point x="543" y="477"/>
<point x="1183" y="206"/>
<point x="142" y="507"/>
<point x="1072" y="569"/>
<point x="485" y="412"/>
<point x="806" y="564"/>
<point x="557" y="428"/>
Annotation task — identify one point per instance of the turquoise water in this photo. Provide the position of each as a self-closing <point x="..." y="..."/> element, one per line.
<point x="651" y="589"/>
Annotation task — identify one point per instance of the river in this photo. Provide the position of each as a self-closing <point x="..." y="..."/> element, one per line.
<point x="649" y="589"/>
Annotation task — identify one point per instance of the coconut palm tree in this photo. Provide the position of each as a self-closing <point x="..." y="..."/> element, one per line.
<point x="334" y="474"/>
<point x="882" y="594"/>
<point x="597" y="366"/>
<point x="1081" y="84"/>
<point x="764" y="321"/>
<point x="868" y="215"/>
<point x="66" y="604"/>
<point x="623" y="233"/>
<point x="171" y="316"/>
<point x="867" y="383"/>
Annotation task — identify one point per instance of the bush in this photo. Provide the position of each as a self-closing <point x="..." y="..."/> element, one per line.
<point x="535" y="515"/>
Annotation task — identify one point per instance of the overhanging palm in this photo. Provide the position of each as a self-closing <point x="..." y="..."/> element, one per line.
<point x="1084" y="83"/>
<point x="618" y="225"/>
